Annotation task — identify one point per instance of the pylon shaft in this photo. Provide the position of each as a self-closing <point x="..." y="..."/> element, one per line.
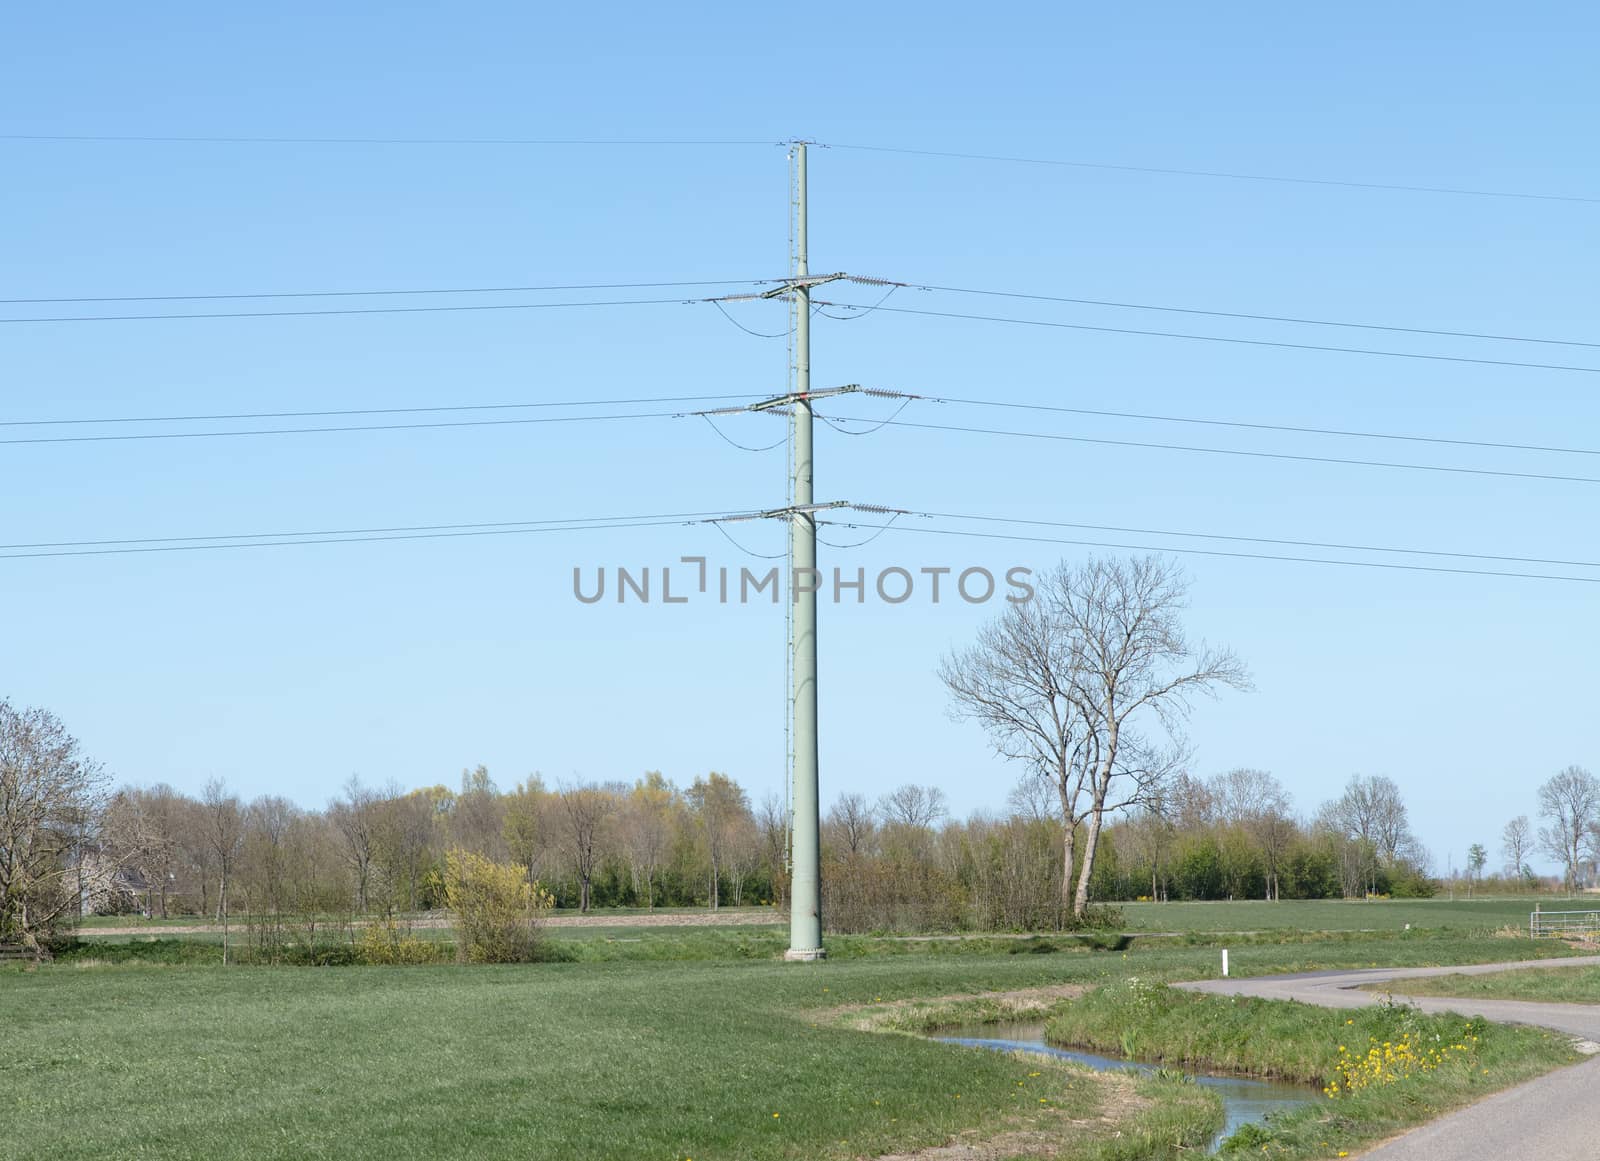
<point x="805" y="899"/>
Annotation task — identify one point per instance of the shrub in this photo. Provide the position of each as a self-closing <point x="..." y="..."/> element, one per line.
<point x="1096" y="917"/>
<point x="498" y="910"/>
<point x="385" y="944"/>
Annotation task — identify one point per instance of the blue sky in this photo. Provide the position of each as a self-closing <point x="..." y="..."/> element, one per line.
<point x="287" y="669"/>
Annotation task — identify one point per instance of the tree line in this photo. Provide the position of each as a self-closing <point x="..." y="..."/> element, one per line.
<point x="371" y="850"/>
<point x="1084" y="689"/>
<point x="70" y="845"/>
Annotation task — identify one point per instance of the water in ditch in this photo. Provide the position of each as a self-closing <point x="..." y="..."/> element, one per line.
<point x="1245" y="1101"/>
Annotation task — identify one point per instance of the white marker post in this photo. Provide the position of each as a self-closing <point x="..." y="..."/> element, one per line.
<point x="1224" y="962"/>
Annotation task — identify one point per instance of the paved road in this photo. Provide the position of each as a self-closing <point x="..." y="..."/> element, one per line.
<point x="1553" y="1118"/>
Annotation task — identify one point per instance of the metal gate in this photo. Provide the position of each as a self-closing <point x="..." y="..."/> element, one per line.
<point x="1561" y="924"/>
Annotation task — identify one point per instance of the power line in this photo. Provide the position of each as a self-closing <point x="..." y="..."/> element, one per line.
<point x="1231" y="555"/>
<point x="1265" y="540"/>
<point x="376" y="293"/>
<point x="728" y="536"/>
<point x="502" y="422"/>
<point x="876" y="424"/>
<point x="832" y="421"/>
<point x="342" y="536"/>
<point x="1226" y="339"/>
<point x="1275" y="318"/>
<point x="358" y="310"/>
<point x="256" y="539"/>
<point x="861" y="312"/>
<point x="907" y="397"/>
<point x="1237" y="452"/>
<point x="1168" y="171"/>
<point x="728" y="439"/>
<point x="241" y="140"/>
<point x="753" y="333"/>
<point x="1171" y="171"/>
<point x="866" y="541"/>
<point x="573" y="520"/>
<point x="376" y="410"/>
<point x="1344" y="432"/>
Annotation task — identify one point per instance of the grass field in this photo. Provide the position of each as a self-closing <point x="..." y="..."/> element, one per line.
<point x="1334" y="914"/>
<point x="648" y="1043"/>
<point x="566" y="1060"/>
<point x="1575" y="985"/>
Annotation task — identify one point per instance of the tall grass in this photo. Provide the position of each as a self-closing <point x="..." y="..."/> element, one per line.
<point x="1143" y="1019"/>
<point x="1573" y="985"/>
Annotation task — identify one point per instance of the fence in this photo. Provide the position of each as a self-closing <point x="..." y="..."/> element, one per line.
<point x="1564" y="924"/>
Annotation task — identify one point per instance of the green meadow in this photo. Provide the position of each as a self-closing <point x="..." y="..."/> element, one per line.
<point x="645" y="1042"/>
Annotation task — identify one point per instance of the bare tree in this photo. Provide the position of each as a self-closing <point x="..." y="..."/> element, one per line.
<point x="742" y="849"/>
<point x="852" y="821"/>
<point x="1256" y="802"/>
<point x="51" y="799"/>
<point x="403" y="840"/>
<point x="356" y="817"/>
<point x="195" y="853"/>
<point x="524" y="823"/>
<point x="477" y="823"/>
<point x="1068" y="686"/>
<point x="1014" y="683"/>
<point x="1241" y="794"/>
<point x="720" y="808"/>
<point x="1372" y="809"/>
<point x="917" y="807"/>
<point x="647" y="819"/>
<point x="142" y="829"/>
<point x="585" y="811"/>
<point x="1146" y="840"/>
<point x="772" y="827"/>
<point x="1371" y="820"/>
<point x="1516" y="844"/>
<point x="264" y="868"/>
<point x="314" y="885"/>
<point x="1571" y="801"/>
<point x="1033" y="798"/>
<point x="225" y="834"/>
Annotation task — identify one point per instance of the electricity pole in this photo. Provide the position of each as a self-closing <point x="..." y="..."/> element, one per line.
<point x="805" y="892"/>
<point x="805" y="860"/>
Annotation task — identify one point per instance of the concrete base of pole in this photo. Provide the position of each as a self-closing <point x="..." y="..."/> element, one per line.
<point x="805" y="954"/>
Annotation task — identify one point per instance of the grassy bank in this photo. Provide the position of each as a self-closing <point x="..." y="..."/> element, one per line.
<point x="1385" y="1068"/>
<point x="1575" y="985"/>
